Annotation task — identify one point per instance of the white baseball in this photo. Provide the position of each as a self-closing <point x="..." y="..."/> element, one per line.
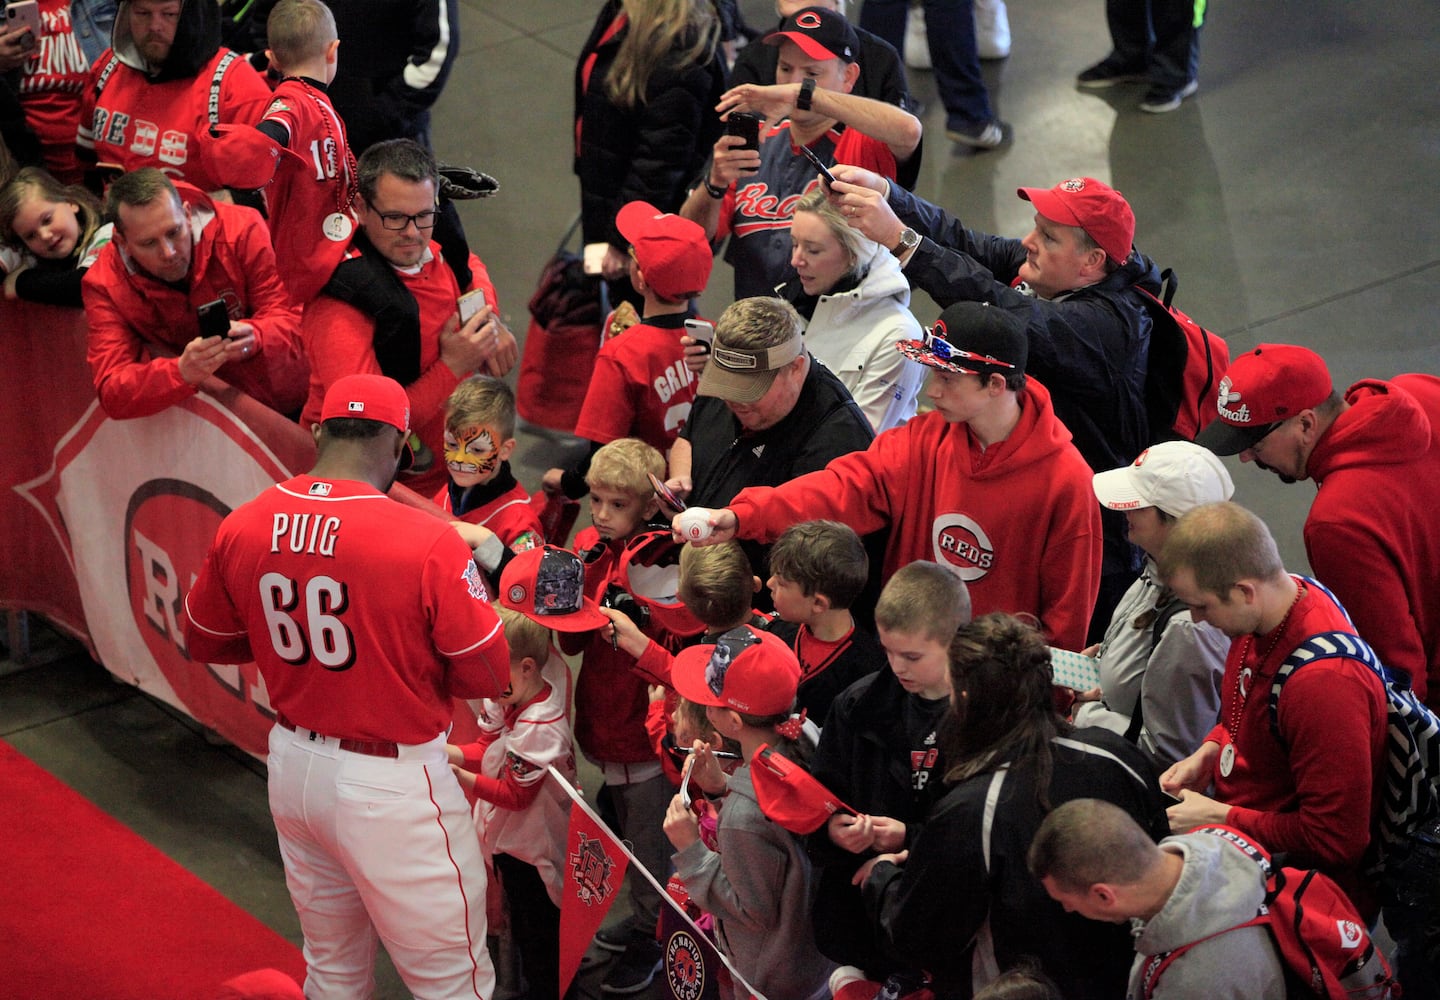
<point x="694" y="524"/>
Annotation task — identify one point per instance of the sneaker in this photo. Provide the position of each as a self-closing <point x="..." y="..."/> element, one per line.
<point x="981" y="135"/>
<point x="916" y="47"/>
<point x="617" y="936"/>
<point x="992" y="29"/>
<point x="1107" y="73"/>
<point x="635" y="969"/>
<point x="1159" y="100"/>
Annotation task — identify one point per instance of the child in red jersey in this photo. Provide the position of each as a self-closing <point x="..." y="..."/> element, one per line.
<point x="479" y="439"/>
<point x="611" y="699"/>
<point x="297" y="153"/>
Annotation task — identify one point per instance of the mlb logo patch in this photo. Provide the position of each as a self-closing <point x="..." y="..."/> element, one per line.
<point x="355" y="406"/>
<point x="319" y="489"/>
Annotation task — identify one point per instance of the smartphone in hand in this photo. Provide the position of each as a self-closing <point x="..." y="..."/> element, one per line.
<point x="745" y="124"/>
<point x="24" y="14"/>
<point x="702" y="331"/>
<point x="471" y="303"/>
<point x="818" y="164"/>
<point x="214" y="319"/>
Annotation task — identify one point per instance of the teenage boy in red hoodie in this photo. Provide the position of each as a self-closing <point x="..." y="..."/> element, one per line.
<point x="988" y="484"/>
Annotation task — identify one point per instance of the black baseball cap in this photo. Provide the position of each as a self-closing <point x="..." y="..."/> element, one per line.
<point x="820" y="33"/>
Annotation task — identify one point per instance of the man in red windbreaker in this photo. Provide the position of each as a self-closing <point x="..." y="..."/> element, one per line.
<point x="178" y="254"/>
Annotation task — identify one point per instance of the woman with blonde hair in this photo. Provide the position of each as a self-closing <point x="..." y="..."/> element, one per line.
<point x="646" y="86"/>
<point x="856" y="301"/>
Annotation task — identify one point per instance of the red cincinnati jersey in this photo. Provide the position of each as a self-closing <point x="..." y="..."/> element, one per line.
<point x="509" y="516"/>
<point x="364" y="616"/>
<point x="50" y="87"/>
<point x="309" y="188"/>
<point x="127" y="120"/>
<point x="640" y="387"/>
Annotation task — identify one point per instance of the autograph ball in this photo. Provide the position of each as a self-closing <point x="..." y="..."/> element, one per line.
<point x="694" y="524"/>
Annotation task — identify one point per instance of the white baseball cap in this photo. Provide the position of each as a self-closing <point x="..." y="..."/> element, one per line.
<point x="1176" y="476"/>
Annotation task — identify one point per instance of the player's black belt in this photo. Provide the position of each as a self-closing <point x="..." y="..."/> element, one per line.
<point x="370" y="748"/>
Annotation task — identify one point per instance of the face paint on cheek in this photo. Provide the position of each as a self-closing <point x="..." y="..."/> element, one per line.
<point x="472" y="450"/>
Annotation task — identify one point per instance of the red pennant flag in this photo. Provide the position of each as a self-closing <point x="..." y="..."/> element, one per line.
<point x="595" y="866"/>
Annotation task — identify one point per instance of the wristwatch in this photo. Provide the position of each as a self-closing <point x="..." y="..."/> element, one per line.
<point x="807" y="91"/>
<point x="909" y="240"/>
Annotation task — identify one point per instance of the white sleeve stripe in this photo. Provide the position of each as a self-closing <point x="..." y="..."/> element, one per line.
<point x="474" y="645"/>
<point x="208" y="631"/>
<point x="419" y="76"/>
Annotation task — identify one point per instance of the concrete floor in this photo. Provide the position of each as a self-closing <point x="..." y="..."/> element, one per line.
<point x="1294" y="196"/>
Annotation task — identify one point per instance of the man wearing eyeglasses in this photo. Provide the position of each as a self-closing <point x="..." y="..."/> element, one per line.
<point x="1371" y="535"/>
<point x="391" y="307"/>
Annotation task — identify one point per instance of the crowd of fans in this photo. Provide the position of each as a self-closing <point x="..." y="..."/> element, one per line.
<point x="881" y="571"/>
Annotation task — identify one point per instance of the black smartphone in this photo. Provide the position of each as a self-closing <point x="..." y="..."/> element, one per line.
<point x="666" y="494"/>
<point x="745" y="124"/>
<point x="818" y="164"/>
<point x="214" y="319"/>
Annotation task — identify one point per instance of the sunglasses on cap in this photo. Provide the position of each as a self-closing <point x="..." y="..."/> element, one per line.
<point x="946" y="351"/>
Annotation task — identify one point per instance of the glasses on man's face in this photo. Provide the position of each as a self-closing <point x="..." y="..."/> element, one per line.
<point x="946" y="351"/>
<point x="399" y="221"/>
<point x="1255" y="445"/>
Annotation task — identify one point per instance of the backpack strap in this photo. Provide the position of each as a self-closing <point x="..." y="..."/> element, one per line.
<point x="1157" y="629"/>
<point x="1157" y="964"/>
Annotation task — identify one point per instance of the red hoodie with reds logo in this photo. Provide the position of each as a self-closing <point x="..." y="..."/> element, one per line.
<point x="1372" y="536"/>
<point x="1020" y="526"/>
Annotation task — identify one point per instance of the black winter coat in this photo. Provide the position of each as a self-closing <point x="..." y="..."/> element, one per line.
<point x="652" y="152"/>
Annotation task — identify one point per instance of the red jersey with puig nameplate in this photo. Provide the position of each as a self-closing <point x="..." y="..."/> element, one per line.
<point x="640" y="386"/>
<point x="364" y="616"/>
<point x="130" y="121"/>
<point x="310" y="199"/>
<point x="758" y="207"/>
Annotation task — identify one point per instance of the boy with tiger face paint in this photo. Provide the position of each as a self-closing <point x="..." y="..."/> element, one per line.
<point x="479" y="438"/>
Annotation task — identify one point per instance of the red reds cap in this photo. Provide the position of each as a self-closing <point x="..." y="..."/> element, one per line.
<point x="241" y="156"/>
<point x="1260" y="389"/>
<point x="368" y="397"/>
<point x="789" y="795"/>
<point x="673" y="252"/>
<point x="547" y="585"/>
<point x="820" y="33"/>
<point x="972" y="338"/>
<point x="371" y="397"/>
<point x="746" y="669"/>
<point x="650" y="573"/>
<point x="1175" y="476"/>
<point x="1093" y="206"/>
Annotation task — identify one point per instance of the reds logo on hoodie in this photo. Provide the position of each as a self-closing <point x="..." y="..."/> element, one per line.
<point x="961" y="545"/>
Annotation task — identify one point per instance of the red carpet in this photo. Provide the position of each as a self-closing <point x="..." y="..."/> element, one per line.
<point x="88" y="909"/>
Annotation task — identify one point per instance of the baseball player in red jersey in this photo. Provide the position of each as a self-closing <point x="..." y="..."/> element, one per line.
<point x="365" y="618"/>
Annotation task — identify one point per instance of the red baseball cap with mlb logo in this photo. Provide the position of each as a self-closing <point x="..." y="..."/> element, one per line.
<point x="1091" y="205"/>
<point x="671" y="250"/>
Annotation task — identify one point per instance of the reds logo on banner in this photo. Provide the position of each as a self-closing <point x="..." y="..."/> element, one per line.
<point x="962" y="546"/>
<point x="140" y="501"/>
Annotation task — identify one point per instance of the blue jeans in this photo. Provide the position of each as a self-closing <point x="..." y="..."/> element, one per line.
<point x="950" y="26"/>
<point x="1156" y="37"/>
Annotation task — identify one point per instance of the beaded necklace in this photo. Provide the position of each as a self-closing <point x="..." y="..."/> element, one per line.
<point x="338" y="225"/>
<point x="1244" y="675"/>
